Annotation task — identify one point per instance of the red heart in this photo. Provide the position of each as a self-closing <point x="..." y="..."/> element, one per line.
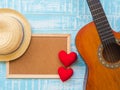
<point x="67" y="59"/>
<point x="64" y="73"/>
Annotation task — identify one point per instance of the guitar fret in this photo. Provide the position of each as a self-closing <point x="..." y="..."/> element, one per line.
<point x="100" y="18"/>
<point x="95" y="4"/>
<point x="107" y="35"/>
<point x="105" y="39"/>
<point x="105" y="32"/>
<point x="92" y="0"/>
<point x="97" y="14"/>
<point x="99" y="8"/>
<point x="101" y="22"/>
<point x="89" y="1"/>
<point x="103" y="26"/>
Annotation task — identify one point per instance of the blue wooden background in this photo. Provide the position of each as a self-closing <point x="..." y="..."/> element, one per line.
<point x="61" y="17"/>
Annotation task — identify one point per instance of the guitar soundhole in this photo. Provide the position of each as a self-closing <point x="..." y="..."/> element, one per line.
<point x="111" y="53"/>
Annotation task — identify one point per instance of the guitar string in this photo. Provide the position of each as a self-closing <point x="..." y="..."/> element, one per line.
<point x="104" y="45"/>
<point x="107" y="43"/>
<point x="111" y="49"/>
<point x="116" y="56"/>
<point x="117" y="53"/>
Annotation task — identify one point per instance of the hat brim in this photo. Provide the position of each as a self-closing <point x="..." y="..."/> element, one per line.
<point x="27" y="35"/>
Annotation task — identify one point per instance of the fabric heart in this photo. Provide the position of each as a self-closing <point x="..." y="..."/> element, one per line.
<point x="64" y="73"/>
<point x="67" y="59"/>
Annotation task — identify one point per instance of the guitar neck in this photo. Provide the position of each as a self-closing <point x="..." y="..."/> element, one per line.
<point x="101" y="22"/>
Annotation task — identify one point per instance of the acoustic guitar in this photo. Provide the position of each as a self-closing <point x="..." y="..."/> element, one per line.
<point x="99" y="46"/>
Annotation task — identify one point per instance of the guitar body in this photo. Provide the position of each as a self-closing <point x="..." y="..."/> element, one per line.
<point x="99" y="76"/>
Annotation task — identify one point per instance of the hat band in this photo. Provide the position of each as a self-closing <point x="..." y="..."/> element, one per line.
<point x="21" y="40"/>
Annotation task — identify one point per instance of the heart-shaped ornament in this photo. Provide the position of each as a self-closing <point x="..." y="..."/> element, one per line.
<point x="64" y="73"/>
<point x="67" y="59"/>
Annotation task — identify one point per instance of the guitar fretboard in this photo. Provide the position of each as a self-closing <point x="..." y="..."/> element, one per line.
<point x="101" y="22"/>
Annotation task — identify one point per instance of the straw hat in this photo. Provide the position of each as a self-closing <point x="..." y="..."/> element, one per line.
<point x="15" y="34"/>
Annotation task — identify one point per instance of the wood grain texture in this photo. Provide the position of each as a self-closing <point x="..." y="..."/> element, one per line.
<point x="99" y="77"/>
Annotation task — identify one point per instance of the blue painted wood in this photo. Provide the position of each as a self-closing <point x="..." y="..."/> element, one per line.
<point x="62" y="17"/>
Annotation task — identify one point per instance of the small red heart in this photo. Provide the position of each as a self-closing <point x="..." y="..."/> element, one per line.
<point x="64" y="73"/>
<point x="67" y="59"/>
